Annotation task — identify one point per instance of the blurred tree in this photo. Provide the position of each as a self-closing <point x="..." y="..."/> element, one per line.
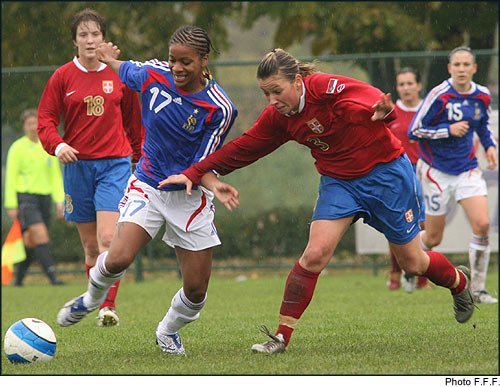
<point x="372" y="27"/>
<point x="38" y="34"/>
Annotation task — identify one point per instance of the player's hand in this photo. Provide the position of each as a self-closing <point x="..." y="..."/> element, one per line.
<point x="227" y="195"/>
<point x="459" y="129"/>
<point x="67" y="154"/>
<point x="491" y="156"/>
<point x="382" y="107"/>
<point x="107" y="51"/>
<point x="177" y="179"/>
<point x="12" y="213"/>
<point x="60" y="210"/>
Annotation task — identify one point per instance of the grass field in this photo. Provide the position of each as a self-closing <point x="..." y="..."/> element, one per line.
<point x="353" y="326"/>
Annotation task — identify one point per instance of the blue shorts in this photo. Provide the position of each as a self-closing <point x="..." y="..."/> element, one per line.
<point x="420" y="195"/>
<point x="94" y="185"/>
<point x="386" y="198"/>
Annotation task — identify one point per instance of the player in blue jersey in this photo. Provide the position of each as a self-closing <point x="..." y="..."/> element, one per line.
<point x="448" y="168"/>
<point x="186" y="116"/>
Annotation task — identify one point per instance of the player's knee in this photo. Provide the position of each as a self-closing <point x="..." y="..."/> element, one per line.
<point x="105" y="239"/>
<point x="316" y="258"/>
<point x="481" y="227"/>
<point x="432" y="239"/>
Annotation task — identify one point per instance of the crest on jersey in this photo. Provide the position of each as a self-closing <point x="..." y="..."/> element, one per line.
<point x="332" y="84"/>
<point x="107" y="87"/>
<point x="409" y="215"/>
<point x="477" y="112"/>
<point x="315" y="126"/>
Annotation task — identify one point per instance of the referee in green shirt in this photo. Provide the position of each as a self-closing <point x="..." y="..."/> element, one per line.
<point x="33" y="180"/>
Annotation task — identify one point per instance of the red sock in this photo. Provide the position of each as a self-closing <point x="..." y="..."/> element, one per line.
<point x="87" y="269"/>
<point x="111" y="297"/>
<point x="421" y="282"/>
<point x="395" y="268"/>
<point x="299" y="289"/>
<point x="443" y="273"/>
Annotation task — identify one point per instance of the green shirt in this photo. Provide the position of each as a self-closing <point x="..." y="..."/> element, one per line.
<point x="31" y="170"/>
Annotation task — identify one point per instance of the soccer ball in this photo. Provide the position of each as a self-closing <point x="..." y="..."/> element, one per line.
<point x="29" y="340"/>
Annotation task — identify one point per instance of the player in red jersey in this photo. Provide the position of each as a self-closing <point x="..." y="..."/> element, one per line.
<point x="364" y="173"/>
<point x="102" y="128"/>
<point x="408" y="86"/>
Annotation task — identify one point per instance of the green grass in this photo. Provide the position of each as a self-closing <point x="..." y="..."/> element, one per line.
<point x="353" y="326"/>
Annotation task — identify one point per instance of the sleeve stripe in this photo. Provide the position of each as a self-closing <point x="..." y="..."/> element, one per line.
<point x="155" y="63"/>
<point x="416" y="128"/>
<point x="227" y="110"/>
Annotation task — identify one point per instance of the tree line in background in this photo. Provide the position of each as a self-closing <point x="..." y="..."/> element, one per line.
<point x="37" y="33"/>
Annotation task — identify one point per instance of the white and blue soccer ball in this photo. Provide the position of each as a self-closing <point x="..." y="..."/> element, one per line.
<point x="29" y="340"/>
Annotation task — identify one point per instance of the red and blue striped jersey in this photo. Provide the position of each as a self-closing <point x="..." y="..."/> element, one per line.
<point x="442" y="107"/>
<point x="180" y="129"/>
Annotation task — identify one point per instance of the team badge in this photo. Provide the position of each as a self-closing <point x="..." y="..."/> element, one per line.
<point x="69" y="204"/>
<point x="409" y="215"/>
<point x="123" y="201"/>
<point x="190" y="123"/>
<point x="332" y="84"/>
<point x="315" y="126"/>
<point x="477" y="112"/>
<point x="107" y="87"/>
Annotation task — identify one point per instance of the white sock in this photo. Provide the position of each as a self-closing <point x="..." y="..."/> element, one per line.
<point x="479" y="259"/>
<point x="181" y="312"/>
<point x="100" y="280"/>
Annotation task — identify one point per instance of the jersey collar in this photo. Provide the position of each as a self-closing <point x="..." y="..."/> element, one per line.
<point x="473" y="87"/>
<point x="302" y="102"/>
<point x="405" y="108"/>
<point x="82" y="68"/>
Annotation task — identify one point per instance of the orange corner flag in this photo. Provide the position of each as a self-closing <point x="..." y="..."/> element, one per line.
<point x="12" y="251"/>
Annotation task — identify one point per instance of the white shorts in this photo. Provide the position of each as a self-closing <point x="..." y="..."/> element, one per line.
<point x="188" y="219"/>
<point x="441" y="189"/>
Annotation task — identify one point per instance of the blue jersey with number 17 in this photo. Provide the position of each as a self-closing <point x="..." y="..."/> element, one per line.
<point x="180" y="128"/>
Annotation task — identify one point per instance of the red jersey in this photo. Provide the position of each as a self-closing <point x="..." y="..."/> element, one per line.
<point x="400" y="128"/>
<point x="334" y="121"/>
<point x="102" y="117"/>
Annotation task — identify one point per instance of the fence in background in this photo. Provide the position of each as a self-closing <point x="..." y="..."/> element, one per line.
<point x="21" y="88"/>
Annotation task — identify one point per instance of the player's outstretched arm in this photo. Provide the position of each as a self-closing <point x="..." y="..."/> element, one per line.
<point x="225" y="193"/>
<point x="108" y="53"/>
<point x="177" y="179"/>
<point x="383" y="107"/>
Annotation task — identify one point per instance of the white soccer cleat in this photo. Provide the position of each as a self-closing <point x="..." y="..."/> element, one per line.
<point x="72" y="312"/>
<point x="275" y="345"/>
<point x="408" y="282"/>
<point x="484" y="297"/>
<point x="171" y="344"/>
<point x="108" y="317"/>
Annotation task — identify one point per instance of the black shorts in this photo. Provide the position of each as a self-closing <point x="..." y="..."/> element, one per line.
<point x="34" y="209"/>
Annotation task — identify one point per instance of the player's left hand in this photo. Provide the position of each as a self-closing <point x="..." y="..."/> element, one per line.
<point x="382" y="107"/>
<point x="227" y="195"/>
<point x="177" y="179"/>
<point x="60" y="211"/>
<point x="107" y="51"/>
<point x="491" y="156"/>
